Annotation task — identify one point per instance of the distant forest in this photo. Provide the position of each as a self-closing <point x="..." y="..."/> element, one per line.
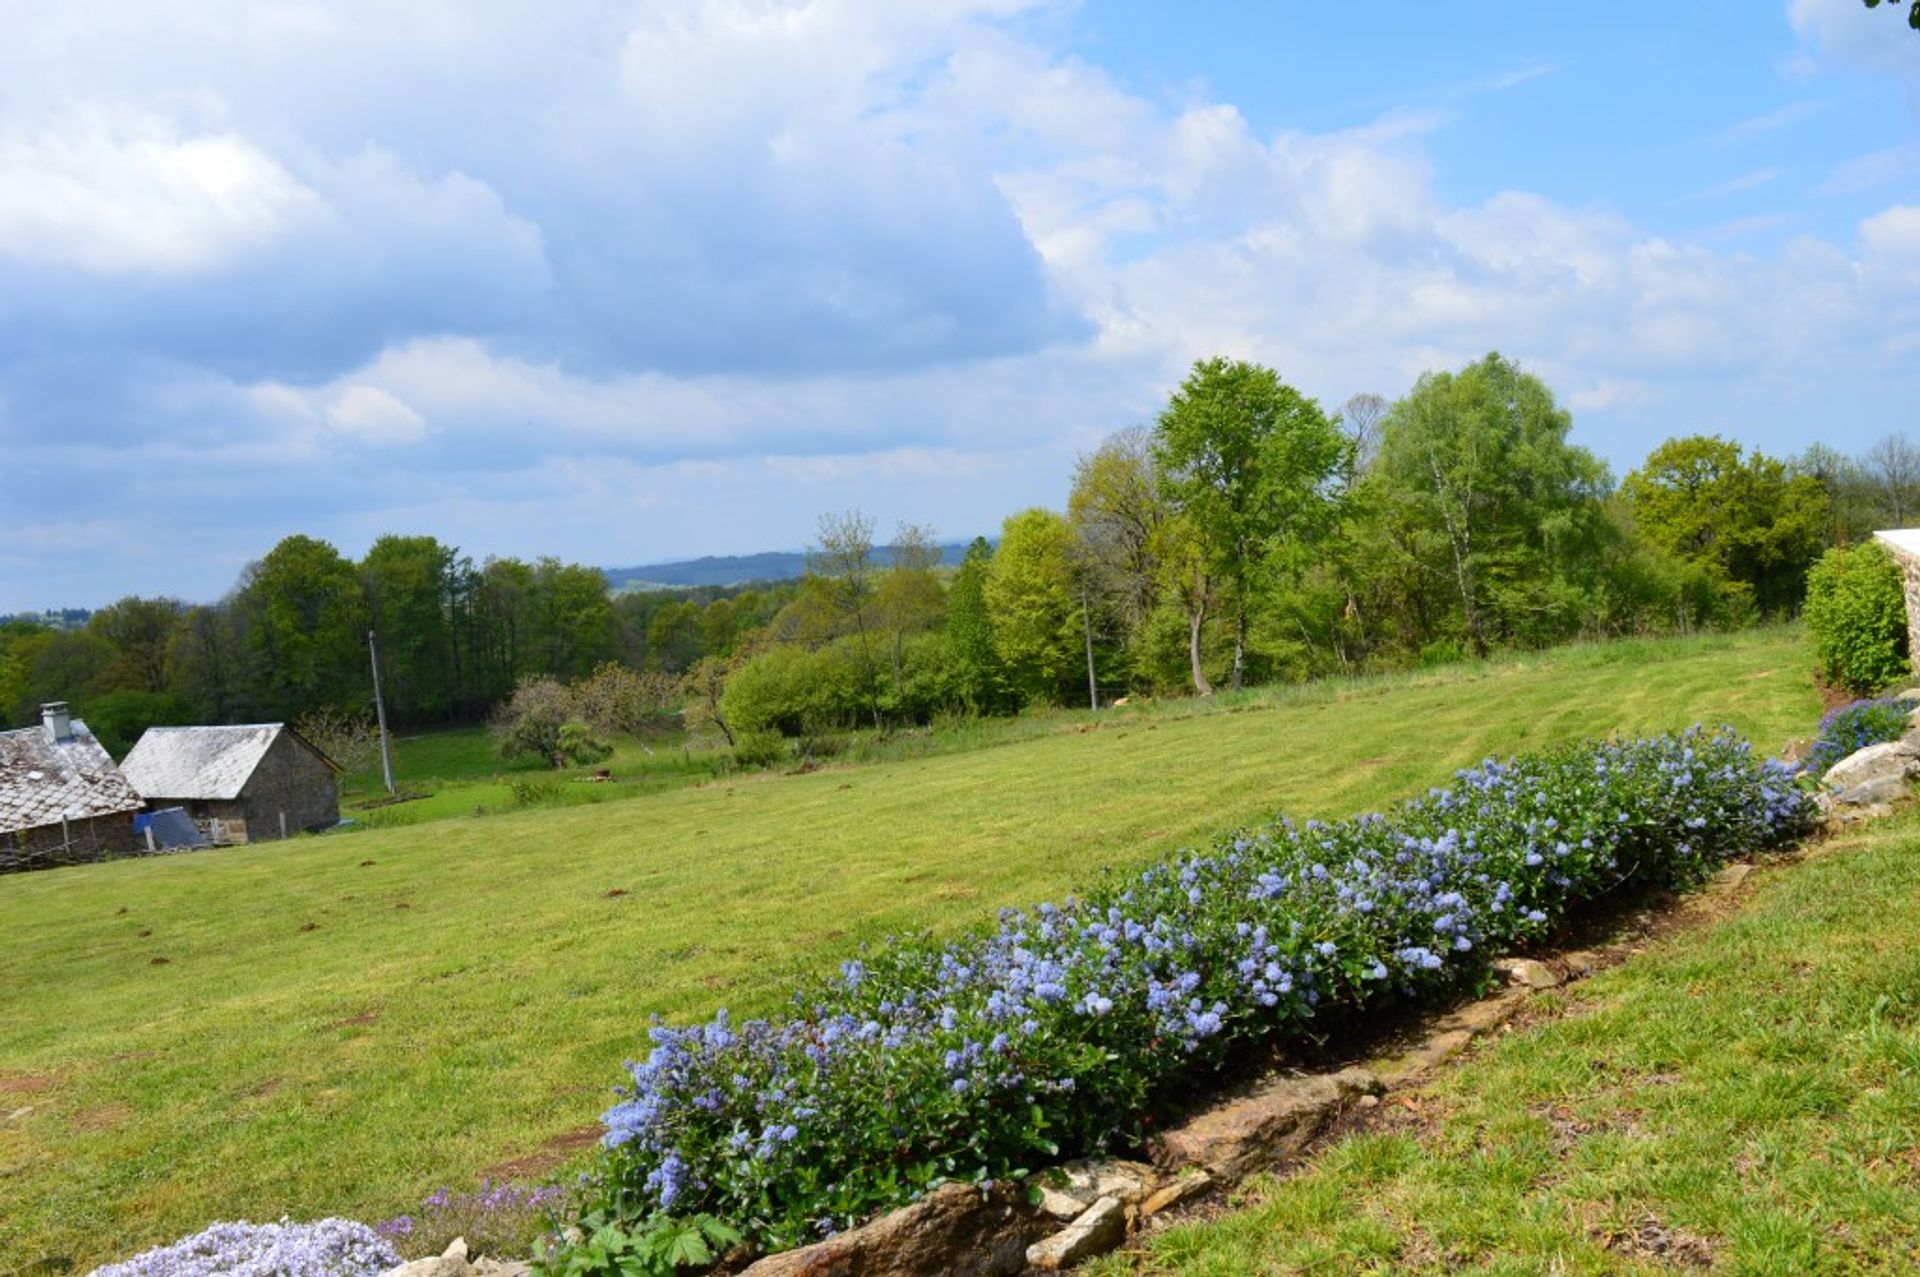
<point x="1246" y="535"/>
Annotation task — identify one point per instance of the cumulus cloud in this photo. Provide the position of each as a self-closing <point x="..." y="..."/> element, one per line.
<point x="132" y="195"/>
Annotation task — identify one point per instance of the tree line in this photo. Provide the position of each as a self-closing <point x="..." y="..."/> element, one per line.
<point x="1246" y="535"/>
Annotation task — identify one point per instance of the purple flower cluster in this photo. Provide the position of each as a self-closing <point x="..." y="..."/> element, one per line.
<point x="493" y="1218"/>
<point x="324" y="1248"/>
<point x="1851" y="727"/>
<point x="1068" y="1028"/>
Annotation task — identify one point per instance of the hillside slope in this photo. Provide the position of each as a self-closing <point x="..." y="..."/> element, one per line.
<point x="342" y="1024"/>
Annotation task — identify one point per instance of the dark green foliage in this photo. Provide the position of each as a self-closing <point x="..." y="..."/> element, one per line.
<point x="1744" y="517"/>
<point x="1485" y="517"/>
<point x="970" y="631"/>
<point x="118" y="718"/>
<point x="1857" y="619"/>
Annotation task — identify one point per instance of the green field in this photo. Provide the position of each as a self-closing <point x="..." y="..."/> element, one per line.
<point x="1743" y="1097"/>
<point x="458" y="772"/>
<point x="344" y="1023"/>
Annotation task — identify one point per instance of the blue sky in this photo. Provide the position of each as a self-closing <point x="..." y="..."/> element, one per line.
<point x="632" y="281"/>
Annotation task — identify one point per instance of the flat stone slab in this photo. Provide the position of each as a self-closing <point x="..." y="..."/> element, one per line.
<point x="1448" y="1036"/>
<point x="953" y="1229"/>
<point x="1096" y="1231"/>
<point x="1274" y="1122"/>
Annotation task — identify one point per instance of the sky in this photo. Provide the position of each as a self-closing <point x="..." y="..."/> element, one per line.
<point x="626" y="282"/>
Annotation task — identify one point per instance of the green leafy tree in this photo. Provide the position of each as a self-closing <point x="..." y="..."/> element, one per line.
<point x="970" y="630"/>
<point x="118" y="718"/>
<point x="529" y="724"/>
<point x="307" y="625"/>
<point x="410" y="587"/>
<point x="1248" y="460"/>
<point x="70" y="665"/>
<point x="1743" y="516"/>
<point x="139" y="630"/>
<point x="1483" y="507"/>
<point x="1033" y="604"/>
<point x="1117" y="510"/>
<point x="1852" y="512"/>
<point x="842" y="578"/>
<point x="908" y="597"/>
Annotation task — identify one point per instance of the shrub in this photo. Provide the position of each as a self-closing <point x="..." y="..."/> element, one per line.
<point x="325" y="1248"/>
<point x="579" y="746"/>
<point x="759" y="748"/>
<point x="1069" y="1029"/>
<point x="1857" y="618"/>
<point x="1857" y="725"/>
<point x="534" y="793"/>
<point x="790" y="690"/>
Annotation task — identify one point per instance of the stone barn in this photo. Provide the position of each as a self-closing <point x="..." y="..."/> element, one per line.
<point x="62" y="801"/>
<point x="239" y="784"/>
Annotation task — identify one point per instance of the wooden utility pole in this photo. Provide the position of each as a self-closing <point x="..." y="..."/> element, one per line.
<point x="380" y="711"/>
<point x="1086" y="623"/>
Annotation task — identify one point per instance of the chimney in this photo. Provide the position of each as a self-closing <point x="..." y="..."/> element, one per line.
<point x="59" y="722"/>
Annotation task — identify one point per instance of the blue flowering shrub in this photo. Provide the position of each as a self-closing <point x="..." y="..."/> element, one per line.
<point x="1856" y="725"/>
<point x="1068" y="1029"/>
<point x="324" y="1248"/>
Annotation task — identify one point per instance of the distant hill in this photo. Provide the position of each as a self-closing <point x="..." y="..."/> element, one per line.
<point x="738" y="569"/>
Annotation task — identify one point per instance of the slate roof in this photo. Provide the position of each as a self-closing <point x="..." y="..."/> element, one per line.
<point x="42" y="780"/>
<point x="203" y="762"/>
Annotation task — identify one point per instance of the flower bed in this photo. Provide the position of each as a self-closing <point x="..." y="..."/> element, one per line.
<point x="1856" y="725"/>
<point x="1065" y="1030"/>
<point x="324" y="1248"/>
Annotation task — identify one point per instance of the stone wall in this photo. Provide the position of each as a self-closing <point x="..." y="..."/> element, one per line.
<point x="290" y="779"/>
<point x="1910" y="573"/>
<point x="76" y="842"/>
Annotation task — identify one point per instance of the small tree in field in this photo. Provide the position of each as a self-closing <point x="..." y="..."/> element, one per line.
<point x="350" y="739"/>
<point x="616" y="699"/>
<point x="529" y="724"/>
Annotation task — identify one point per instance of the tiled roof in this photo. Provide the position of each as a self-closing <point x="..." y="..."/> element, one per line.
<point x="42" y="780"/>
<point x="198" y="762"/>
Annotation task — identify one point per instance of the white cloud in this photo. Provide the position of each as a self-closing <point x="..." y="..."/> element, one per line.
<point x="113" y="194"/>
<point x="375" y="416"/>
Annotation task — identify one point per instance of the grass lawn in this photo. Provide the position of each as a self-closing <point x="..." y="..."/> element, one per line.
<point x="458" y="772"/>
<point x="1743" y="1096"/>
<point x="342" y="1024"/>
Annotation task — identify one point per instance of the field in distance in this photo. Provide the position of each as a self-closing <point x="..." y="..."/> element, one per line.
<point x="339" y="1025"/>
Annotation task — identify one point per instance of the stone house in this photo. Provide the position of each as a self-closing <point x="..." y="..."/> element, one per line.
<point x="62" y="801"/>
<point x="239" y="784"/>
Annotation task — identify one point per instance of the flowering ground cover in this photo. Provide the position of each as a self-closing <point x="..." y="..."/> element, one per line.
<point x="1856" y="725"/>
<point x="1742" y="1097"/>
<point x="329" y="1036"/>
<point x="1062" y="1030"/>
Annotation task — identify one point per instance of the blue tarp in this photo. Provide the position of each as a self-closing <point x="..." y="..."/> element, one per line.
<point x="173" y="829"/>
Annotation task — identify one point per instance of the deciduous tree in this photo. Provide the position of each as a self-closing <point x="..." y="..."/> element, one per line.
<point x="1248" y="460"/>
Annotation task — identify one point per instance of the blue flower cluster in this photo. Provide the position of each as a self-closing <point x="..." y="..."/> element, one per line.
<point x="1849" y="728"/>
<point x="324" y="1248"/>
<point x="1070" y="1028"/>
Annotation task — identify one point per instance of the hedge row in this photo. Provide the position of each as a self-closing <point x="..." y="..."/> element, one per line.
<point x="1065" y="1030"/>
